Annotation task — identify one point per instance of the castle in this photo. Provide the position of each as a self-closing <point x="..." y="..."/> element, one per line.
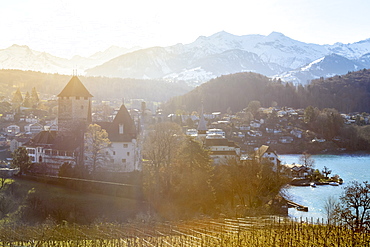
<point x="50" y="149"/>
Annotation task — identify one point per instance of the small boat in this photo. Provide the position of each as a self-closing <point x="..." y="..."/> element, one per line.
<point x="304" y="209"/>
<point x="312" y="184"/>
<point x="334" y="184"/>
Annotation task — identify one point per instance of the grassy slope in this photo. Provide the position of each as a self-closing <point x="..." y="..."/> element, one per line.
<point x="88" y="206"/>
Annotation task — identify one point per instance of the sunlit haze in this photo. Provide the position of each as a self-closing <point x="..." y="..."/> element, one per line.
<point x="79" y="27"/>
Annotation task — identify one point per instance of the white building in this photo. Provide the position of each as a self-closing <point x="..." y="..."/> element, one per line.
<point x="264" y="153"/>
<point x="17" y="142"/>
<point x="46" y="148"/>
<point x="13" y="129"/>
<point x="221" y="149"/>
<point x="124" y="150"/>
<point x="34" y="128"/>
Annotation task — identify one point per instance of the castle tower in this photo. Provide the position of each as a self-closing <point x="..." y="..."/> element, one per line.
<point x="74" y="107"/>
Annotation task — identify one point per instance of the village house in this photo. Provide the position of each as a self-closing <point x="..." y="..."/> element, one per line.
<point x="51" y="151"/>
<point x="286" y="139"/>
<point x="264" y="153"/>
<point x="17" y="142"/>
<point x="33" y="128"/>
<point x="297" y="133"/>
<point x="13" y="129"/>
<point x="124" y="149"/>
<point x="296" y="170"/>
<point x="221" y="149"/>
<point x="8" y="116"/>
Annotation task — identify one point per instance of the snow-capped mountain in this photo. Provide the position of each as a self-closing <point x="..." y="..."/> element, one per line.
<point x="24" y="58"/>
<point x="225" y="53"/>
<point x="327" y="66"/>
<point x="274" y="55"/>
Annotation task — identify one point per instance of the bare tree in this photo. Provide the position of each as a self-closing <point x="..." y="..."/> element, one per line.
<point x="326" y="171"/>
<point x="306" y="160"/>
<point x="162" y="143"/>
<point x="354" y="210"/>
<point x="331" y="206"/>
<point x="96" y="146"/>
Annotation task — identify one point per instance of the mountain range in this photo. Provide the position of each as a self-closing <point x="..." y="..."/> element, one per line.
<point x="274" y="55"/>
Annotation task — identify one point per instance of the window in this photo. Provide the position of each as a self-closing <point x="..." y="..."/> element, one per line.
<point x="123" y="160"/>
<point x="82" y="107"/>
<point x="85" y="98"/>
<point x="77" y="97"/>
<point x="128" y="153"/>
<point x="120" y="128"/>
<point x="114" y="152"/>
<point x="125" y="145"/>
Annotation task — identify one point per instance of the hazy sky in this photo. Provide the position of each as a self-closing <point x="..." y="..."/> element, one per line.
<point x="69" y="27"/>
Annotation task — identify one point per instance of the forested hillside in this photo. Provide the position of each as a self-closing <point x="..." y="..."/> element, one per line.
<point x="102" y="88"/>
<point x="348" y="93"/>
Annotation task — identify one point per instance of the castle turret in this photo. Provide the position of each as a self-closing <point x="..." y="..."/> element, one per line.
<point x="74" y="107"/>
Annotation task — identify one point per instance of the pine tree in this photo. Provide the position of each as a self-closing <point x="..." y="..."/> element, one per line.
<point x="27" y="100"/>
<point x="17" y="98"/>
<point x="34" y="97"/>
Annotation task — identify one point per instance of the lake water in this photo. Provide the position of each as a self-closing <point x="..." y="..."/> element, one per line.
<point x="348" y="167"/>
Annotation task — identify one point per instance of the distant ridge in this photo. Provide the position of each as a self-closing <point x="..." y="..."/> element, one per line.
<point x="346" y="93"/>
<point x="222" y="53"/>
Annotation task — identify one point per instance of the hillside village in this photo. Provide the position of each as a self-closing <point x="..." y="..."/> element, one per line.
<point x="51" y="130"/>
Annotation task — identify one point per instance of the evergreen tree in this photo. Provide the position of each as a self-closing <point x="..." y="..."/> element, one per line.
<point x="34" y="97"/>
<point x="27" y="100"/>
<point x="17" y="98"/>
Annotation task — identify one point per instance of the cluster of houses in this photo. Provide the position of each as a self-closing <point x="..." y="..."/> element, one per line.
<point x="58" y="141"/>
<point x="223" y="150"/>
<point x="63" y="141"/>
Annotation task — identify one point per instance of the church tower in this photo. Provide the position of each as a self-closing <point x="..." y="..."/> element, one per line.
<point x="202" y="125"/>
<point x="74" y="107"/>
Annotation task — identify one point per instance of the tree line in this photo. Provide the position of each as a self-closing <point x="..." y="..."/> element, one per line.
<point x="180" y="181"/>
<point x="347" y="93"/>
<point x="103" y="88"/>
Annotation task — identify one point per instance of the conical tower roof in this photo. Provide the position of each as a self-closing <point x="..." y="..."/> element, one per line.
<point x="202" y="125"/>
<point x="75" y="88"/>
<point x="123" y="117"/>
